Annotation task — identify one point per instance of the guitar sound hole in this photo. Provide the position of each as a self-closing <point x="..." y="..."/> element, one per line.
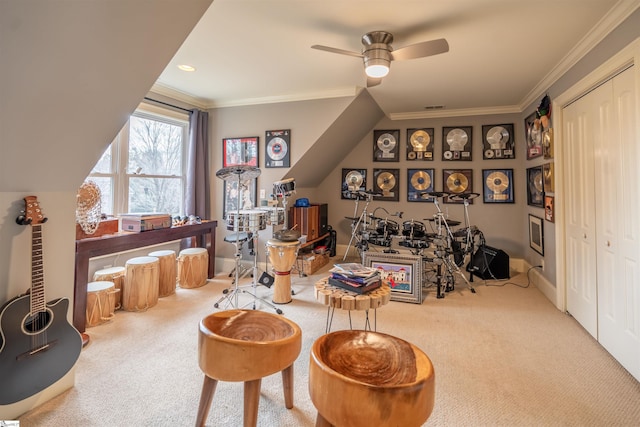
<point x="37" y="322"/>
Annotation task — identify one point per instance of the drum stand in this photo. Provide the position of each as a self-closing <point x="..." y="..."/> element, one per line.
<point x="443" y="254"/>
<point x="362" y="244"/>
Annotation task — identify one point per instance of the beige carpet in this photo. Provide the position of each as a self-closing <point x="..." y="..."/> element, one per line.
<point x="503" y="357"/>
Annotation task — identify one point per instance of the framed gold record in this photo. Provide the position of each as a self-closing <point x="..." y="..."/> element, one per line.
<point x="354" y="180"/>
<point x="535" y="187"/>
<point x="497" y="185"/>
<point x="548" y="179"/>
<point x="420" y="144"/>
<point x="457" y="181"/>
<point x="387" y="182"/>
<point x="498" y="142"/>
<point x="419" y="181"/>
<point x="386" y="145"/>
<point x="456" y="143"/>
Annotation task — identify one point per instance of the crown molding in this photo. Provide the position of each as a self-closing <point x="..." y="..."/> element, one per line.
<point x="461" y="112"/>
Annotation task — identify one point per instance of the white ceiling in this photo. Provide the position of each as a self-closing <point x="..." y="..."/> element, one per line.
<point x="503" y="53"/>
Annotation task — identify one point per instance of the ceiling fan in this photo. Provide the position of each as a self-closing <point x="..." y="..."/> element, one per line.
<point x="377" y="53"/>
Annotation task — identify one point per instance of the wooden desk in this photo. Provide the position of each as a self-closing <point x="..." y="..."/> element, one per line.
<point x="105" y="245"/>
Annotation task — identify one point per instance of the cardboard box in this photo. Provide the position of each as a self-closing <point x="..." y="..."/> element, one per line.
<point x="107" y="226"/>
<point x="314" y="262"/>
<point x="144" y="222"/>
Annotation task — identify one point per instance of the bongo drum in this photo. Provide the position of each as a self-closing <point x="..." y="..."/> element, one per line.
<point x="193" y="265"/>
<point x="101" y="300"/>
<point x="167" y="280"/>
<point x="115" y="275"/>
<point x="282" y="255"/>
<point x="141" y="283"/>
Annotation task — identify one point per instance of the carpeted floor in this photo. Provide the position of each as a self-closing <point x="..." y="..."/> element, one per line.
<point x="503" y="356"/>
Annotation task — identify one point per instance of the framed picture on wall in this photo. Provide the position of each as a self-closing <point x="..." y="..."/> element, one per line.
<point x="386" y="145"/>
<point x="387" y="182"/>
<point x="533" y="135"/>
<point x="549" y="210"/>
<point x="420" y="144"/>
<point x="498" y="142"/>
<point x="277" y="148"/>
<point x="353" y="181"/>
<point x="419" y="181"/>
<point x="235" y="199"/>
<point x="535" y="187"/>
<point x="457" y="181"/>
<point x="240" y="151"/>
<point x="497" y="185"/>
<point x="456" y="143"/>
<point x="536" y="234"/>
<point x="403" y="274"/>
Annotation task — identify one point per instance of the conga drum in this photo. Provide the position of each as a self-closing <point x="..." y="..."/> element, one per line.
<point x="141" y="283"/>
<point x="193" y="267"/>
<point x="167" y="281"/>
<point x="101" y="301"/>
<point x="282" y="256"/>
<point x="115" y="275"/>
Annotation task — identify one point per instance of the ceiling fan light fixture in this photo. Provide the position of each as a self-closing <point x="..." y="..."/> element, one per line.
<point x="377" y="68"/>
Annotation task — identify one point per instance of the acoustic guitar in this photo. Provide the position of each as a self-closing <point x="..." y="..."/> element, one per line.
<point x="38" y="345"/>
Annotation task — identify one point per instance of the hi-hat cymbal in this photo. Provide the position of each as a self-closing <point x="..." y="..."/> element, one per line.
<point x="433" y="194"/>
<point x="462" y="196"/>
<point x="239" y="172"/>
<point x="451" y="222"/>
<point x="351" y="218"/>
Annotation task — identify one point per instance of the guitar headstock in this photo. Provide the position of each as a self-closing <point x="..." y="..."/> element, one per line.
<point x="32" y="213"/>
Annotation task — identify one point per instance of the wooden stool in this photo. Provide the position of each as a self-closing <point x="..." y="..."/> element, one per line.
<point x="168" y="277"/>
<point x="246" y="345"/>
<point x="115" y="275"/>
<point x="193" y="264"/>
<point x="141" y="284"/>
<point x="364" y="378"/>
<point x="101" y="302"/>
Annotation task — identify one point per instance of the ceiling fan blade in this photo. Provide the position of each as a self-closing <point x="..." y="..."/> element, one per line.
<point x="336" y="50"/>
<point x="420" y="50"/>
<point x="373" y="81"/>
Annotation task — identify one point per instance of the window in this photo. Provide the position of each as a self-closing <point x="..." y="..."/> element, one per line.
<point x="143" y="170"/>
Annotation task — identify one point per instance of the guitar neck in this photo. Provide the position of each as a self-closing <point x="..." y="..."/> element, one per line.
<point x="38" y="301"/>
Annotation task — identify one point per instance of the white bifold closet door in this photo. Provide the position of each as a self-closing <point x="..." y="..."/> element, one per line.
<point x="602" y="168"/>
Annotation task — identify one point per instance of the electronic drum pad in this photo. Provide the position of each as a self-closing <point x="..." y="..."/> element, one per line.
<point x="354" y="180"/>
<point x="497" y="182"/>
<point x="457" y="183"/>
<point x="419" y="140"/>
<point x="420" y="180"/>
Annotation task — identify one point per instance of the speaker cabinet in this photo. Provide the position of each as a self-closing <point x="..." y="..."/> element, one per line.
<point x="489" y="263"/>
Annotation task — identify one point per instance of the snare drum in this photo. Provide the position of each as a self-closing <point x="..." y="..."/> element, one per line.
<point x="286" y="186"/>
<point x="413" y="229"/>
<point x="101" y="301"/>
<point x="115" y="275"/>
<point x="247" y="220"/>
<point x="282" y="255"/>
<point x="275" y="215"/>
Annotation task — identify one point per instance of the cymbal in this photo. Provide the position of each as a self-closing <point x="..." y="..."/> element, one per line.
<point x="351" y="218"/>
<point x="451" y="222"/>
<point x="374" y="217"/>
<point x="287" y="235"/>
<point x="462" y="196"/>
<point x="239" y="172"/>
<point x="432" y="194"/>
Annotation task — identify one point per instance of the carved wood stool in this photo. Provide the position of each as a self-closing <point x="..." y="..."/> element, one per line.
<point x="365" y="378"/>
<point x="246" y="345"/>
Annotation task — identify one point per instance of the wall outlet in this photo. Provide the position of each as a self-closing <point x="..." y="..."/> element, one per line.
<point x="263" y="194"/>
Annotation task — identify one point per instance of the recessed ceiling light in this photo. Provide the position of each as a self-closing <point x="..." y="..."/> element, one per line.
<point x="185" y="67"/>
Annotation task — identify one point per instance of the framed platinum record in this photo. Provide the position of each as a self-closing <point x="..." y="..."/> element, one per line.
<point x="278" y="149"/>
<point x="386" y="144"/>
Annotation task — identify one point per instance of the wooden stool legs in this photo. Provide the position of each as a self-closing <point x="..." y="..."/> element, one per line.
<point x="251" y="397"/>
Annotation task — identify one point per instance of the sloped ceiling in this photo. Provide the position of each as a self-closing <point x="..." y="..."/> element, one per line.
<point x="72" y="72"/>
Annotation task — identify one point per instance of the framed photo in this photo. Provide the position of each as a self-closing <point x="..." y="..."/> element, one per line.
<point x="247" y="195"/>
<point x="240" y="151"/>
<point x="457" y="181"/>
<point x="456" y="143"/>
<point x="277" y="148"/>
<point x="420" y="144"/>
<point x="533" y="135"/>
<point x="386" y="145"/>
<point x="353" y="180"/>
<point x="419" y="181"/>
<point x="387" y="182"/>
<point x="547" y="174"/>
<point x="403" y="274"/>
<point x="549" y="209"/>
<point x="535" y="187"/>
<point x="547" y="144"/>
<point x="536" y="234"/>
<point x="497" y="142"/>
<point x="497" y="185"/>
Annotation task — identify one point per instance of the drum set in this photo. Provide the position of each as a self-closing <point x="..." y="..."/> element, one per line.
<point x="442" y="248"/>
<point x="281" y="250"/>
